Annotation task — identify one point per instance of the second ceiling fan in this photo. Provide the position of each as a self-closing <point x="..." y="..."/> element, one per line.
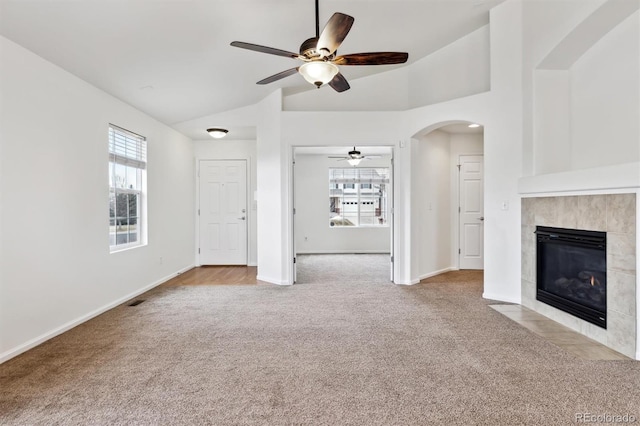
<point x="354" y="157"/>
<point x="319" y="55"/>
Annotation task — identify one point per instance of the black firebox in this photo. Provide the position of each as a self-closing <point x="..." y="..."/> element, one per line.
<point x="572" y="272"/>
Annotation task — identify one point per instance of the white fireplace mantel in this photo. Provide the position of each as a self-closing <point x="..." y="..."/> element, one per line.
<point x="617" y="178"/>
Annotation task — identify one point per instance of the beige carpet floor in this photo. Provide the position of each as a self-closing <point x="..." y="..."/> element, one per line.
<point x="331" y="351"/>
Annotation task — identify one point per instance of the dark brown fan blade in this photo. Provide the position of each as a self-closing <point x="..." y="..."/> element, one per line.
<point x="339" y="83"/>
<point x="372" y="58"/>
<point x="264" y="49"/>
<point x="334" y="33"/>
<point x="278" y="76"/>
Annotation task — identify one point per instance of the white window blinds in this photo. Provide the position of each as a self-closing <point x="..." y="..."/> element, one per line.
<point x="359" y="175"/>
<point x="127" y="148"/>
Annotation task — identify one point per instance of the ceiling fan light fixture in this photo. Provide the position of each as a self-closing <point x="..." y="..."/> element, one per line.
<point x="217" y="132"/>
<point x="318" y="72"/>
<point x="354" y="161"/>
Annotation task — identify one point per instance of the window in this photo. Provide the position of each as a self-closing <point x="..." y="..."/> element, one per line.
<point x="358" y="196"/>
<point x="127" y="173"/>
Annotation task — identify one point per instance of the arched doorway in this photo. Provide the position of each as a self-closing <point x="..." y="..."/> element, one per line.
<point x="449" y="167"/>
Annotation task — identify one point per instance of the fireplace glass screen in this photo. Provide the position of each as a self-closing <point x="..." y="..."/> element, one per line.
<point x="572" y="272"/>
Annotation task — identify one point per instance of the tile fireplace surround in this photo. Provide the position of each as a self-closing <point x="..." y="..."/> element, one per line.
<point x="614" y="214"/>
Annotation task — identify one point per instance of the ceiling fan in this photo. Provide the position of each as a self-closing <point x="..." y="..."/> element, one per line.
<point x="354" y="157"/>
<point x="319" y="55"/>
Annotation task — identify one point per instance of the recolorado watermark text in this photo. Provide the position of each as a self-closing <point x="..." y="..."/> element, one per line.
<point x="605" y="418"/>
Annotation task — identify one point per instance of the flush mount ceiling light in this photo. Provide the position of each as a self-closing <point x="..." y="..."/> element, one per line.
<point x="474" y="125"/>
<point x="217" y="132"/>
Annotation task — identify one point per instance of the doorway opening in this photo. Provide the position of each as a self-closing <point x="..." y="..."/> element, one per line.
<point x="450" y="202"/>
<point x="342" y="213"/>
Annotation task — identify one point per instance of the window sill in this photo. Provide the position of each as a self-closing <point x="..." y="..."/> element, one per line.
<point x="124" y="247"/>
<point x="358" y="227"/>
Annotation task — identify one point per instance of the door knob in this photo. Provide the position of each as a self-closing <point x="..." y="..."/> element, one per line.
<point x="481" y="218"/>
<point x="241" y="218"/>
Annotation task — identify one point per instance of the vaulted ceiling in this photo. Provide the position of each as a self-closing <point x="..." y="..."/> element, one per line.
<point x="172" y="58"/>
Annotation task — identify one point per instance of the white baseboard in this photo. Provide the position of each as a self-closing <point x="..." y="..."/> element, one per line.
<point x="434" y="273"/>
<point x="412" y="282"/>
<point x="11" y="353"/>
<point x="637" y="356"/>
<point x="271" y="280"/>
<point x="500" y="298"/>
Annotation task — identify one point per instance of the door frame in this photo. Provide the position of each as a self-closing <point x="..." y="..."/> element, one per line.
<point x="250" y="211"/>
<point x="291" y="255"/>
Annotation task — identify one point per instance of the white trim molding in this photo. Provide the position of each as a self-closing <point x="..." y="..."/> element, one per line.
<point x="434" y="273"/>
<point x="272" y="280"/>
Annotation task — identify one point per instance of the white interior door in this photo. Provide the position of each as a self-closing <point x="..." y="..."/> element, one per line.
<point x="471" y="212"/>
<point x="223" y="212"/>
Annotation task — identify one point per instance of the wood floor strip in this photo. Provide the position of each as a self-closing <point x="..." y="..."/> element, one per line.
<point x="216" y="275"/>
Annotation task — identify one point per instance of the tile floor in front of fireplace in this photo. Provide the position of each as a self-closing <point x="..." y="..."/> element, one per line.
<point x="567" y="339"/>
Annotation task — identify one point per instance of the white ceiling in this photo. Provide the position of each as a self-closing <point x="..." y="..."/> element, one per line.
<point x="172" y="59"/>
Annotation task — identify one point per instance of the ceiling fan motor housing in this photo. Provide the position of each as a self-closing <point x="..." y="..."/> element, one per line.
<point x="308" y="48"/>
<point x="354" y="154"/>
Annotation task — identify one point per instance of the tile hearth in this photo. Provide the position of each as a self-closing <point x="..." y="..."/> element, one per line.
<point x="561" y="336"/>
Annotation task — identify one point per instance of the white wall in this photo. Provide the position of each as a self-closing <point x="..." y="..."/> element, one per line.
<point x="57" y="270"/>
<point x="275" y="250"/>
<point x="222" y="149"/>
<point x="388" y="89"/>
<point x="455" y="71"/>
<point x="552" y="112"/>
<point x="434" y="199"/>
<point x="605" y="107"/>
<point x="543" y="24"/>
<point x="312" y="231"/>
<point x="585" y="103"/>
<point x="502" y="155"/>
